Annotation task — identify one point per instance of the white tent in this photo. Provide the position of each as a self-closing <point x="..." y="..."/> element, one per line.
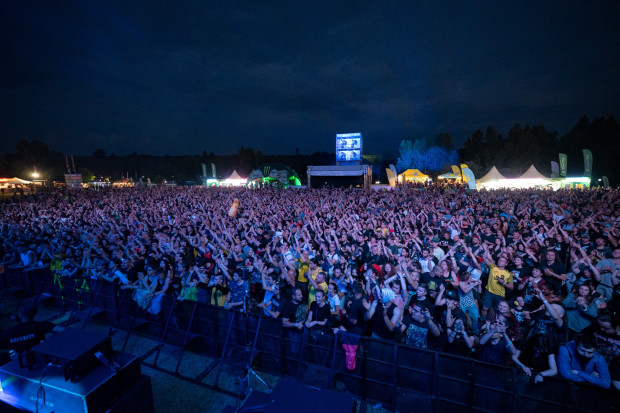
<point x="235" y="179"/>
<point x="532" y="173"/>
<point x="14" y="181"/>
<point x="490" y="180"/>
<point x="530" y="179"/>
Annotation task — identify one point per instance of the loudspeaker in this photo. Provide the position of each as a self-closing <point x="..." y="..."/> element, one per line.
<point x="72" y="351"/>
<point x="97" y="391"/>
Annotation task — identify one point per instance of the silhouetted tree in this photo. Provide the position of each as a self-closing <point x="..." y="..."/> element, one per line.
<point x="99" y="153"/>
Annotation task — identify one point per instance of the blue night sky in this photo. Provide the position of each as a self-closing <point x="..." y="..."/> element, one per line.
<point x="182" y="77"/>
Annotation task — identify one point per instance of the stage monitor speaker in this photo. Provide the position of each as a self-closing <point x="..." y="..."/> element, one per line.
<point x="97" y="391"/>
<point x="73" y="351"/>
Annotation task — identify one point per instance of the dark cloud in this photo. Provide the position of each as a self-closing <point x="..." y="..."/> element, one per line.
<point x="161" y="77"/>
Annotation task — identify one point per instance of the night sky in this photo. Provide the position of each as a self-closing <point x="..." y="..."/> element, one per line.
<point x="181" y="77"/>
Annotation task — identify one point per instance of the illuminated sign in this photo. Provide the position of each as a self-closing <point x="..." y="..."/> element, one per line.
<point x="348" y="147"/>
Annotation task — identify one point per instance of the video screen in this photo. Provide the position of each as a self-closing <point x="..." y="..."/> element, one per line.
<point x="349" y="147"/>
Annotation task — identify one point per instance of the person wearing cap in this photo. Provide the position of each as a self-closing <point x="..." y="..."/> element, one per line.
<point x="438" y="252"/>
<point x="585" y="242"/>
<point x="452" y="312"/>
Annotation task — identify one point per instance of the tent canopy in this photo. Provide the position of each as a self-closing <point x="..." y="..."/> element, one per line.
<point x="492" y="175"/>
<point x="235" y="175"/>
<point x="14" y="181"/>
<point x="412" y="175"/>
<point x="532" y="173"/>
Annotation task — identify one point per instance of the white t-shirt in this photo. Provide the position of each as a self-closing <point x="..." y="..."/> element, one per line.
<point x="333" y="302"/>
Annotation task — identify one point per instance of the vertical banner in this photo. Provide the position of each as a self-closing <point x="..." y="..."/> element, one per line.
<point x="393" y="169"/>
<point x="456" y="170"/>
<point x="391" y="175"/>
<point x="213" y="170"/>
<point x="463" y="166"/>
<point x="555" y="170"/>
<point x="563" y="164"/>
<point x="468" y="176"/>
<point x="587" y="163"/>
<point x="204" y="171"/>
<point x="605" y="182"/>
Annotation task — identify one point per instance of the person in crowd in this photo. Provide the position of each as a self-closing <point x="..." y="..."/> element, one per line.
<point x="500" y="279"/>
<point x="294" y="314"/>
<point x="416" y="325"/>
<point x="495" y="345"/>
<point x="579" y="361"/>
<point x="581" y="308"/>
<point x="606" y="334"/>
<point x="319" y="313"/>
<point x="537" y="360"/>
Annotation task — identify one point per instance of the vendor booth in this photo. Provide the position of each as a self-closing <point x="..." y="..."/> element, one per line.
<point x="450" y="176"/>
<point x="412" y="175"/>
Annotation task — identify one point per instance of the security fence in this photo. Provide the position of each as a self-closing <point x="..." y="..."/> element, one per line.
<point x="398" y="376"/>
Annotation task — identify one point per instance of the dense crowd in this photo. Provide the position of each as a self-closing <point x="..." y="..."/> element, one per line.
<point x="516" y="277"/>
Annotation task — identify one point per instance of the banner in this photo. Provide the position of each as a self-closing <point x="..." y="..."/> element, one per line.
<point x="393" y="169"/>
<point x="463" y="166"/>
<point x="391" y="177"/>
<point x="555" y="170"/>
<point x="204" y="170"/>
<point x="468" y="176"/>
<point x="605" y="182"/>
<point x="213" y="170"/>
<point x="563" y="164"/>
<point x="456" y="170"/>
<point x="587" y="163"/>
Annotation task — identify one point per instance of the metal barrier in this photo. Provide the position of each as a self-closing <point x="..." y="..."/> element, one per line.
<point x="396" y="375"/>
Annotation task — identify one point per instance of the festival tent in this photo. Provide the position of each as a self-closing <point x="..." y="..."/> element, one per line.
<point x="490" y="180"/>
<point x="532" y="173"/>
<point x="14" y="181"/>
<point x="530" y="179"/>
<point x="234" y="180"/>
<point x="411" y="175"/>
<point x="450" y="175"/>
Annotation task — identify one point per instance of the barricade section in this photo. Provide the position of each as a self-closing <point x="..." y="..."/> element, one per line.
<point x="396" y="375"/>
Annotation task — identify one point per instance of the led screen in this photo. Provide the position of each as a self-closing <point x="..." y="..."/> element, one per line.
<point x="349" y="147"/>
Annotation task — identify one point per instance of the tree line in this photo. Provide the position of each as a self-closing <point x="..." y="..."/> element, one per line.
<point x="512" y="154"/>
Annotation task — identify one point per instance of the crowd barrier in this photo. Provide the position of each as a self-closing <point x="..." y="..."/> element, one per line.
<point x="396" y="375"/>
